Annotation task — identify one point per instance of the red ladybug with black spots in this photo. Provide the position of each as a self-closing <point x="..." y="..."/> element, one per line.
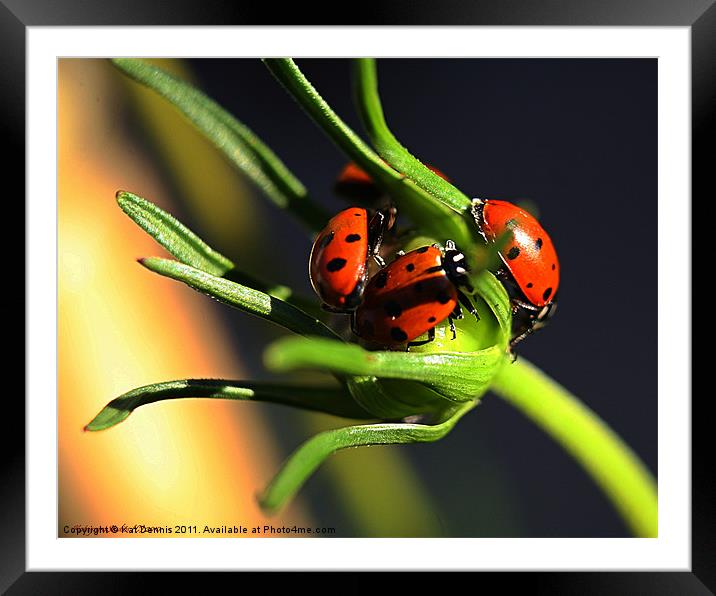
<point x="338" y="265"/>
<point x="356" y="185"/>
<point x="531" y="268"/>
<point x="413" y="294"/>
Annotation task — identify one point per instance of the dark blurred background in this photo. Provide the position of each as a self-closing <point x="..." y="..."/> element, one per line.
<point x="574" y="138"/>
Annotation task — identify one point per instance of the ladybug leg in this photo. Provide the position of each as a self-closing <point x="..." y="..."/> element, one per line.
<point x="377" y="226"/>
<point x="456" y="312"/>
<point x="353" y="324"/>
<point x="467" y="303"/>
<point x="431" y="337"/>
<point x="515" y="340"/>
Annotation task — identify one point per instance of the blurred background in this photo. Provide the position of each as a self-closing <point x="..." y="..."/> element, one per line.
<point x="575" y="140"/>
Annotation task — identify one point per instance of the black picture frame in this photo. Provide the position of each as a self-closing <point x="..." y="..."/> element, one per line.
<point x="17" y="15"/>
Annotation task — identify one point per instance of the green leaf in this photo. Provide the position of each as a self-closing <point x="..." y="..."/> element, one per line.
<point x="457" y="376"/>
<point x="306" y="459"/>
<point x="179" y="240"/>
<point x="241" y="297"/>
<point x="238" y="143"/>
<point x="191" y="250"/>
<point x="390" y="149"/>
<point x="394" y="399"/>
<point x="333" y="401"/>
<point x="611" y="463"/>
<point x="425" y="211"/>
<point x="495" y="295"/>
<point x="307" y="305"/>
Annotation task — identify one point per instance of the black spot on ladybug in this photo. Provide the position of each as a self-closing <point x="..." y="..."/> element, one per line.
<point x="352" y="237"/>
<point x="398" y="334"/>
<point x="529" y="285"/>
<point x="442" y="297"/>
<point x="410" y="267"/>
<point x="419" y="286"/>
<point x="422" y="249"/>
<point x="434" y="269"/>
<point x="381" y="279"/>
<point x="327" y="240"/>
<point x="393" y="309"/>
<point x="554" y="266"/>
<point x="432" y="320"/>
<point x="513" y="253"/>
<point x="547" y="293"/>
<point x="538" y="244"/>
<point x="335" y="264"/>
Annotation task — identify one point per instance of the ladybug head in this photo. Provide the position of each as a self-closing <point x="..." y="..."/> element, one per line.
<point x="390" y="214"/>
<point x="455" y="264"/>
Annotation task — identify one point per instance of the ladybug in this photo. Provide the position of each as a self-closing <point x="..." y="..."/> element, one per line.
<point x="412" y="295"/>
<point x="338" y="265"/>
<point x="531" y="268"/>
<point x="355" y="184"/>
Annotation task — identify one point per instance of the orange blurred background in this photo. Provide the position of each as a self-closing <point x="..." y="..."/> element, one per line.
<point x="120" y="326"/>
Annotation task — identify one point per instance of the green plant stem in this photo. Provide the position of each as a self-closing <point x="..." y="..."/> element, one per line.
<point x="389" y="148"/>
<point x="611" y="463"/>
<point x="306" y="459"/>
<point x="420" y="205"/>
<point x="289" y="75"/>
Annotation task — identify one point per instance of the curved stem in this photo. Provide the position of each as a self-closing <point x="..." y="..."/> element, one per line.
<point x="389" y="148"/>
<point x="610" y="462"/>
<point x="422" y="207"/>
<point x="306" y="459"/>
